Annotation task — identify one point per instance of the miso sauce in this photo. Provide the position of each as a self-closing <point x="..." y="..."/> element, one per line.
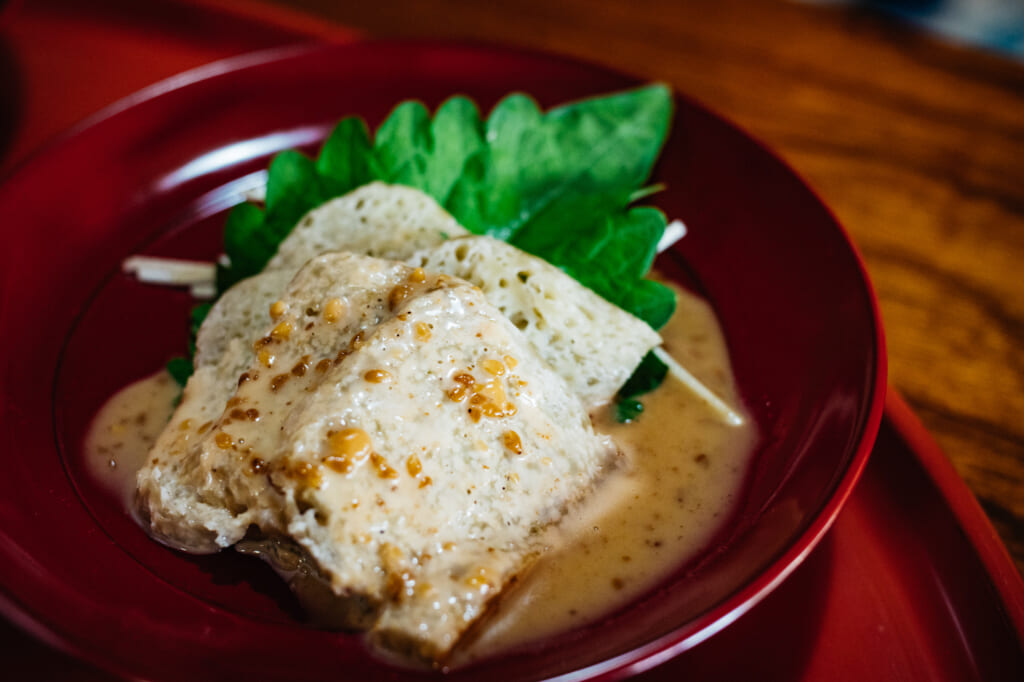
<point x="124" y="430"/>
<point x="684" y="468"/>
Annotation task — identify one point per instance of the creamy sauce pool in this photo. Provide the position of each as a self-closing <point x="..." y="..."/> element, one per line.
<point x="125" y="429"/>
<point x="685" y="470"/>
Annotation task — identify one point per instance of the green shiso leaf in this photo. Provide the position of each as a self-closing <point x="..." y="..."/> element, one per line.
<point x="403" y="143"/>
<point x="646" y="377"/>
<point x="411" y="149"/>
<point x="245" y="245"/>
<point x="457" y="135"/>
<point x="627" y="410"/>
<point x="180" y="369"/>
<point x="346" y="160"/>
<point x="532" y="161"/>
<point x="651" y="301"/>
<point x="196" y="317"/>
<point x="558" y="184"/>
<point x="609" y="252"/>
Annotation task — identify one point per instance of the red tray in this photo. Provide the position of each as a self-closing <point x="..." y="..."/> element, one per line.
<point x="911" y="583"/>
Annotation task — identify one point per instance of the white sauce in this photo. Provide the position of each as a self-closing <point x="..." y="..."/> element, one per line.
<point x="685" y="472"/>
<point x="124" y="430"/>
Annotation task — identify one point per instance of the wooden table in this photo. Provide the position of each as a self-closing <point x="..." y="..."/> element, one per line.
<point x="917" y="145"/>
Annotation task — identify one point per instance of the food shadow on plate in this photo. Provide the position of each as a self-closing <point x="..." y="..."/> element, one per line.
<point x="231" y="568"/>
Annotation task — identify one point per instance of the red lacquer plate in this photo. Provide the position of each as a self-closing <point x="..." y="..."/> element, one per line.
<point x="156" y="175"/>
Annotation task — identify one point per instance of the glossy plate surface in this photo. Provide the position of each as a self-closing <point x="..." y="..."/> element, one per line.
<point x="156" y="175"/>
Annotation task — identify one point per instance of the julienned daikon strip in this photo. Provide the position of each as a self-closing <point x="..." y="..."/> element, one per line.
<point x="674" y="231"/>
<point x="730" y="415"/>
<point x="203" y="290"/>
<point x="170" y="271"/>
<point x="257" y="195"/>
<point x="200" y="277"/>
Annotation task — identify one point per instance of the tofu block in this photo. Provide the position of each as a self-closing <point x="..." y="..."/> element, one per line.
<point x="385" y="221"/>
<point x="393" y="426"/>
<point x="240" y="314"/>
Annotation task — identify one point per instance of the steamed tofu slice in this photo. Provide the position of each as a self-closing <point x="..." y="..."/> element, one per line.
<point x="240" y="315"/>
<point x="593" y="344"/>
<point x="385" y="221"/>
<point x="396" y="427"/>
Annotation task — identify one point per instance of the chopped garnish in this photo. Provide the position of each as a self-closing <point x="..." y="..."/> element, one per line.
<point x="169" y="270"/>
<point x="674" y="231"/>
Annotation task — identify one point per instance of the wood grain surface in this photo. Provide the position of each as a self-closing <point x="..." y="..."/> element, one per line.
<point x="917" y="145"/>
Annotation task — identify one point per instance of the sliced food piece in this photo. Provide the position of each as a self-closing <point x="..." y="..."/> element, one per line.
<point x="593" y="344"/>
<point x="395" y="428"/>
<point x="386" y="221"/>
<point x="240" y="315"/>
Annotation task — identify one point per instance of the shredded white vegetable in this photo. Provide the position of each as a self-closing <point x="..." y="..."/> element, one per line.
<point x="203" y="290"/>
<point x="674" y="231"/>
<point x="197" y="275"/>
<point x="730" y="415"/>
<point x="257" y="195"/>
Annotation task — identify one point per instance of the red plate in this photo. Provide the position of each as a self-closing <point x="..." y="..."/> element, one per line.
<point x="156" y="177"/>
